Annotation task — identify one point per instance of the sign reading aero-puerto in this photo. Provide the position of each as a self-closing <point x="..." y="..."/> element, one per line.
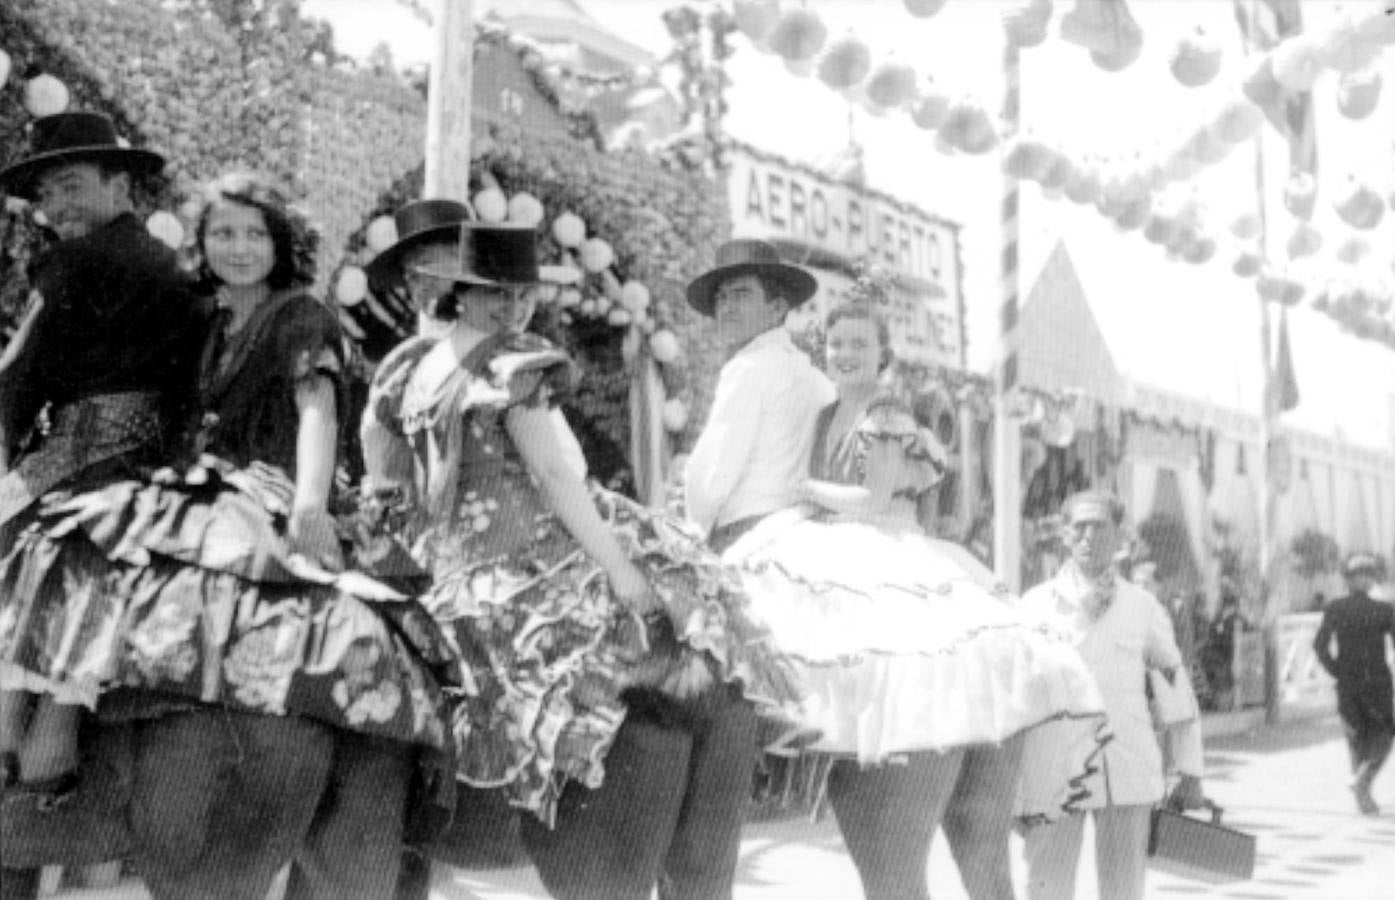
<point x="830" y="225"/>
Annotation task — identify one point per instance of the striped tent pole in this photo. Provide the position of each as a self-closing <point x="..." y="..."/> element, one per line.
<point x="1007" y="468"/>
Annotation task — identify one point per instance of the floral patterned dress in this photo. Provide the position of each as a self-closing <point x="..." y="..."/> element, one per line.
<point x="906" y="643"/>
<point x="183" y="585"/>
<point x="549" y="652"/>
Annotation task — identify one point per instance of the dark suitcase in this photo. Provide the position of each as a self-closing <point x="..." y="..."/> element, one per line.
<point x="1198" y="849"/>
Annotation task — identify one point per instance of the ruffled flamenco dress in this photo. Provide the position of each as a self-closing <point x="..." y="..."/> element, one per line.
<point x="551" y="656"/>
<point x="905" y="643"/>
<point x="182" y="584"/>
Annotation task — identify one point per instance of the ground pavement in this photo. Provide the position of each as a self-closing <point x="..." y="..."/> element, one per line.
<point x="1286" y="784"/>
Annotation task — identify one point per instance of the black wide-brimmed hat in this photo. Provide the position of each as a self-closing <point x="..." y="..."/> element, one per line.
<point x="746" y="256"/>
<point x="74" y="137"/>
<point x="417" y="223"/>
<point x="499" y="255"/>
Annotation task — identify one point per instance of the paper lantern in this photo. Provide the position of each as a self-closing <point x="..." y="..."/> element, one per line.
<point x="1358" y="93"/>
<point x="635" y="296"/>
<point x="1028" y="158"/>
<point x="618" y="317"/>
<point x="1353" y="251"/>
<point x="166" y="227"/>
<point x="525" y="209"/>
<point x="45" y="95"/>
<point x="929" y="109"/>
<point x="675" y="414"/>
<point x="665" y="347"/>
<point x="891" y="85"/>
<point x="1239" y="120"/>
<point x="1196" y="59"/>
<point x="1295" y="63"/>
<point x="491" y="205"/>
<point x="1159" y="228"/>
<point x="1118" y="62"/>
<point x="568" y="230"/>
<point x="1208" y="149"/>
<point x="1305" y="241"/>
<point x="1105" y="28"/>
<point x="800" y="68"/>
<point x="846" y="63"/>
<point x="969" y="128"/>
<point x="568" y="298"/>
<point x="4" y="68"/>
<point x="1345" y="48"/>
<point x="596" y="255"/>
<point x="1247" y="264"/>
<point x="1082" y="187"/>
<point x="1132" y="214"/>
<point x="1358" y="205"/>
<point x="798" y="35"/>
<point x="351" y="286"/>
<point x="755" y="18"/>
<point x="1300" y="194"/>
<point x="380" y="234"/>
<point x="1058" y="174"/>
<point x="1200" y="250"/>
<point x="924" y="9"/>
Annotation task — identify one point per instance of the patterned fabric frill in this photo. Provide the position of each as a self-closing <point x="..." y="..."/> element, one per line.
<point x="549" y="653"/>
<point x="185" y="586"/>
<point x="905" y="643"/>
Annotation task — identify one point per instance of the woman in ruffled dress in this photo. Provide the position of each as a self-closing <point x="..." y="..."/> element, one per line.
<point x="922" y="680"/>
<point x="278" y="707"/>
<point x="573" y="606"/>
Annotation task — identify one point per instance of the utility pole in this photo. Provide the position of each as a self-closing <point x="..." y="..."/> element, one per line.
<point x="1007" y="454"/>
<point x="448" y="103"/>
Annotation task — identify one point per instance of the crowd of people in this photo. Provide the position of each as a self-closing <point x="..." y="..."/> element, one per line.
<point x="279" y="682"/>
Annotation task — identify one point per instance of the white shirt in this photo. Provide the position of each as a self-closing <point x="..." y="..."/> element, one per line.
<point x="754" y="450"/>
<point x="1133" y="635"/>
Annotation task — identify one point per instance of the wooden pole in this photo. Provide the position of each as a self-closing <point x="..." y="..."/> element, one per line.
<point x="448" y="103"/>
<point x="1007" y="462"/>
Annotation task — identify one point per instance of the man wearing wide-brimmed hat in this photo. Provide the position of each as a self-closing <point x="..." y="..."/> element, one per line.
<point x="1361" y="626"/>
<point x="752" y="455"/>
<point x="110" y="346"/>
<point x="428" y="231"/>
<point x="754" y="449"/>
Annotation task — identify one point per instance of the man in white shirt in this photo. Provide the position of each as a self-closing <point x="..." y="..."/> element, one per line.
<point x="754" y="450"/>
<point x="1122" y="631"/>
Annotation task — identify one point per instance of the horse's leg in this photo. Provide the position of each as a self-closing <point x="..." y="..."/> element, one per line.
<point x="888" y="815"/>
<point x="978" y="822"/>
<point x="608" y="844"/>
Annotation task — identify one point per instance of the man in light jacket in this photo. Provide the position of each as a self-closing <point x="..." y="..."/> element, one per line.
<point x="1122" y="631"/>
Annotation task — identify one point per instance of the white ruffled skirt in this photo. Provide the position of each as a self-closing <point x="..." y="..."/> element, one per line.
<point x="906" y="643"/>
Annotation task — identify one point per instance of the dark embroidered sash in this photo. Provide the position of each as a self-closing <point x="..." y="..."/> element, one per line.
<point x="81" y="434"/>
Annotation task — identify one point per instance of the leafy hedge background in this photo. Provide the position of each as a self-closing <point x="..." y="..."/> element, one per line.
<point x="223" y="84"/>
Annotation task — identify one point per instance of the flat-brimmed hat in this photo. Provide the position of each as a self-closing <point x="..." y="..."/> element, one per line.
<point x="746" y="256"/>
<point x="503" y="255"/>
<point x="417" y="223"/>
<point x="71" y="137"/>
<point x="1361" y="564"/>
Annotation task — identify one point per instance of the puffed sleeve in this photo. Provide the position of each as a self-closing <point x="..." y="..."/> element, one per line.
<point x="310" y="342"/>
<point x="889" y="432"/>
<point x="525" y="369"/>
<point x="387" y="459"/>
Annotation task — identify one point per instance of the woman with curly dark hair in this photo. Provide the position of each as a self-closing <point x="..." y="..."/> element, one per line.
<point x="277" y="704"/>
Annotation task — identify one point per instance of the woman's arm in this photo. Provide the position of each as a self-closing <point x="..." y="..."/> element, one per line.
<point x="534" y="435"/>
<point x="870" y="498"/>
<point x="317" y="435"/>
